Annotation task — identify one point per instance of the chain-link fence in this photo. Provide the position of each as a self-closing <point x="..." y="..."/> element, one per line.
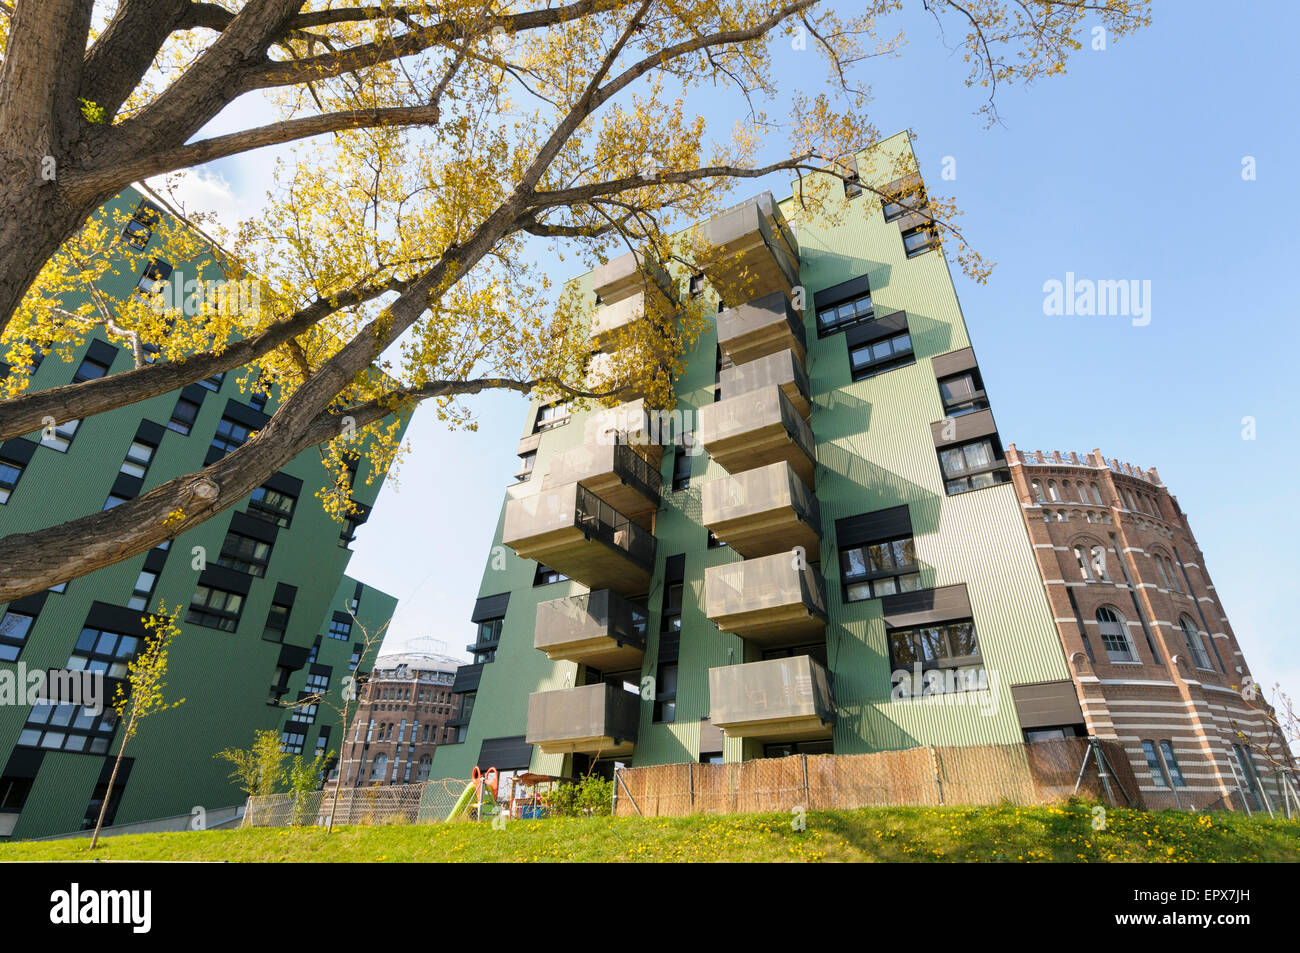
<point x="1041" y="773"/>
<point x="425" y="803"/>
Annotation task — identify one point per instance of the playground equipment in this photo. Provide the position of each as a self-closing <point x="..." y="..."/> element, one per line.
<point x="479" y="780"/>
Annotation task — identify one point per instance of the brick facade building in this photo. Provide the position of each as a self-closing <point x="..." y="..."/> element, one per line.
<point x="404" y="709"/>
<point x="1154" y="659"/>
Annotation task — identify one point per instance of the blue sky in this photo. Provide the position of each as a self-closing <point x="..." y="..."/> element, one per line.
<point x="1128" y="167"/>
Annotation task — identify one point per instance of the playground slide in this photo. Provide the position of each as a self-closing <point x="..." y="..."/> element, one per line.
<point x="476" y="784"/>
<point x="463" y="801"/>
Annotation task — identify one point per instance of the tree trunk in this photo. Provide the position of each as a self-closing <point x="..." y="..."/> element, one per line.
<point x="108" y="795"/>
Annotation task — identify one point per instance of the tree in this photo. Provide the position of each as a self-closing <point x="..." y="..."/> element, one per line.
<point x="463" y="140"/>
<point x="259" y="770"/>
<point x="141" y="695"/>
<point x="304" y="778"/>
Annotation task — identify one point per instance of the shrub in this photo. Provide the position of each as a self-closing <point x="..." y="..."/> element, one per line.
<point x="589" y="797"/>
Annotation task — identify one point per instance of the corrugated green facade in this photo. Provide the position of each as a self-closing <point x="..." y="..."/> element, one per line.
<point x="874" y="450"/>
<point x="224" y="677"/>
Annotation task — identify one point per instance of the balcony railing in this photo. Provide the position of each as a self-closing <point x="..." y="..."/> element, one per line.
<point x="600" y="629"/>
<point x="784" y="699"/>
<point x="614" y="472"/>
<point x="631" y="423"/>
<point x="772" y="600"/>
<point x="752" y="249"/>
<point x="756" y="429"/>
<point x="610" y="319"/>
<point x="574" y="532"/>
<point x="764" y="511"/>
<point x="590" y="719"/>
<point x="614" y="374"/>
<point x="631" y="274"/>
<point x="761" y="327"/>
<point x="781" y="369"/>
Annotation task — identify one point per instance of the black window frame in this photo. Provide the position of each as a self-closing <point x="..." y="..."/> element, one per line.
<point x="876" y="366"/>
<point x="870" y="577"/>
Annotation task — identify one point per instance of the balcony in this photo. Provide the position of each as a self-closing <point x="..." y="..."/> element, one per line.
<point x="612" y="319"/>
<point x="629" y="275"/>
<point x="767" y="600"/>
<point x="611" y="373"/>
<point x="781" y="369"/>
<point x="614" y="472"/>
<point x="600" y="629"/>
<point x="631" y="423"/>
<point x="571" y="530"/>
<point x="756" y="429"/>
<point x="591" y="719"/>
<point x="761" y="327"/>
<point x="784" y="699"/>
<point x="751" y="250"/>
<point x="764" y="511"/>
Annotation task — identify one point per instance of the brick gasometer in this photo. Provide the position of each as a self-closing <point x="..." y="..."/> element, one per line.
<point x="1113" y="546"/>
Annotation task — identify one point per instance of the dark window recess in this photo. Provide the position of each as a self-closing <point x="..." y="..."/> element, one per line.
<point x="91" y="368"/>
<point x="919" y="240"/>
<point x="275" y="506"/>
<point x="681" y="468"/>
<point x="230" y="435"/>
<point x="277" y="621"/>
<point x="13" y="793"/>
<point x="488" y="638"/>
<point x="213" y="383"/>
<point x="14" y="629"/>
<point x="552" y="415"/>
<point x="183" y="416"/>
<point x="697" y="285"/>
<point x="814" y="650"/>
<point x="876" y="357"/>
<point x="101" y="792"/>
<point x="138" y="457"/>
<point x="877" y="569"/>
<point x="946" y="645"/>
<point x="115" y="499"/>
<point x="355" y="658"/>
<point x="905" y="204"/>
<point x="292" y="739"/>
<point x="351" y="522"/>
<point x="340" y="627"/>
<point x="526" y="463"/>
<point x="665" y="708"/>
<point x="153" y="276"/>
<point x="140" y="228"/>
<point x="257" y="400"/>
<point x="844" y="313"/>
<point x="11" y="471"/>
<point x="545" y="576"/>
<point x="784" y="749"/>
<point x="713" y="541"/>
<point x="61" y="438"/>
<point x="245" y="554"/>
<point x="971" y="466"/>
<point x="853" y="184"/>
<point x="962" y="394"/>
<point x="215" y="608"/>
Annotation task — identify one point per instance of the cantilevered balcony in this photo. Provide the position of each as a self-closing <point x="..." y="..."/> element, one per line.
<point x="612" y="374"/>
<point x="784" y="699"/>
<point x="761" y="327"/>
<point x="611" y="319"/>
<point x="632" y="274"/>
<point x="755" y="429"/>
<point x="574" y="532"/>
<point x="769" y="600"/>
<point x="781" y="369"/>
<point x="614" y="472"/>
<point x="632" y="423"/>
<point x="752" y="249"/>
<point x="589" y="719"/>
<point x="600" y="629"/>
<point x="763" y="511"/>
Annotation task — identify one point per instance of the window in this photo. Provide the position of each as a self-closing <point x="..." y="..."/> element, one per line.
<point x="1036" y="488"/>
<point x="1160" y="568"/>
<point x="14" y="627"/>
<point x="274" y="506"/>
<point x="1114" y="635"/>
<point x="305" y="712"/>
<point x="1171" y="764"/>
<point x="140" y="228"/>
<point x="545" y="576"/>
<point x="379" y="767"/>
<point x="919" y="240"/>
<point x="215" y="608"/>
<point x="665" y="709"/>
<point x="962" y="394"/>
<point x="1096" y="493"/>
<point x="1099" y="563"/>
<point x="115" y="499"/>
<point x="183" y="416"/>
<point x="10" y="472"/>
<point x="904" y="205"/>
<point x="89" y="370"/>
<point x="839" y="316"/>
<point x="143" y="590"/>
<point x="1246" y="765"/>
<point x="852" y="187"/>
<point x="340" y="628"/>
<point x="292" y="740"/>
<point x="552" y="415"/>
<point x="1081" y="557"/>
<point x="868" y="360"/>
<point x="681" y="468"/>
<point x="213" y="383"/>
<point x="1172" y="575"/>
<point x="1053" y="493"/>
<point x="257" y="400"/>
<point x="526" y="463"/>
<point x="355" y="658"/>
<point x="318" y="683"/>
<point x="245" y="554"/>
<point x="155" y="273"/>
<point x="971" y="466"/>
<point x="61" y="439"/>
<point x="879" y="569"/>
<point x="671" y="616"/>
<point x="138" y="457"/>
<point x="277" y="622"/>
<point x="423" y="767"/>
<point x="713" y="542"/>
<point x="948" y="645"/>
<point x="230" y="435"/>
<point x="1154" y="765"/>
<point x="696" y="285"/>
<point x="489" y="636"/>
<point x="107" y="652"/>
<point x="1195" y="644"/>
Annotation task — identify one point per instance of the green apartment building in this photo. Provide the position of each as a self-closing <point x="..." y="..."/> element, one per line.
<point x="270" y="619"/>
<point x="844" y="567"/>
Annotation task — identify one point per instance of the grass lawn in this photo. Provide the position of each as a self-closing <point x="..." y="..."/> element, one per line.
<point x="870" y="834"/>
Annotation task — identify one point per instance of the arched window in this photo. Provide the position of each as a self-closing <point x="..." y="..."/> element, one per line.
<point x="1114" y="635"/>
<point x="1099" y="563"/>
<point x="1128" y="496"/>
<point x="379" y="767"/>
<point x="1160" y="568"/>
<point x="1081" y="557"/>
<point x="1096" y="493"/>
<point x="422" y="769"/>
<point x="1173" y="576"/>
<point x="1195" y="644"/>
<point x="1052" y="493"/>
<point x="1037" y="488"/>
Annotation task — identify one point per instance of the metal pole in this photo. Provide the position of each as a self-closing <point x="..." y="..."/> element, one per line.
<point x="1087" y="752"/>
<point x="1101" y="770"/>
